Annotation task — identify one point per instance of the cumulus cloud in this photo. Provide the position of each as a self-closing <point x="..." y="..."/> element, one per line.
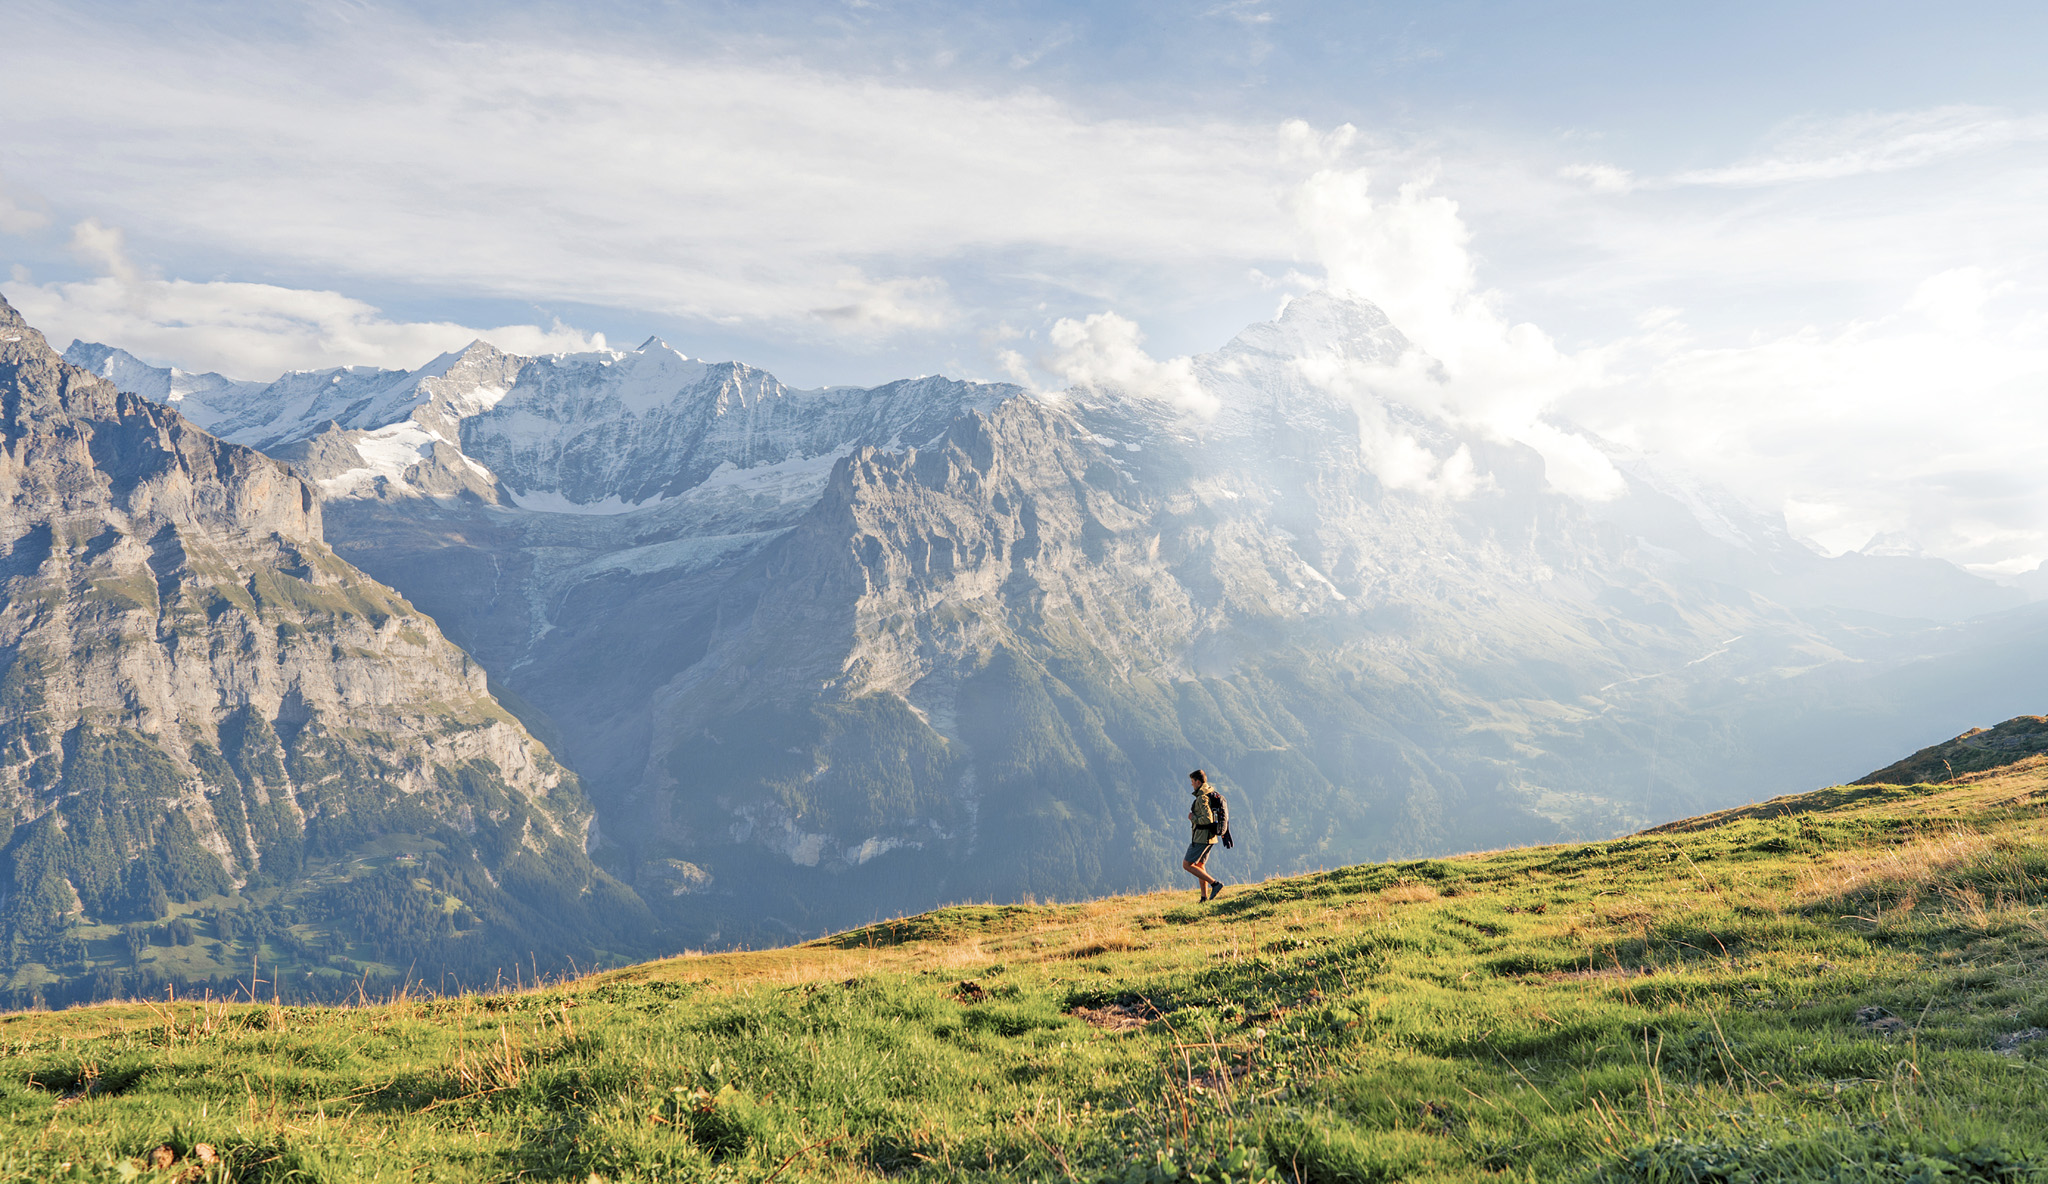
<point x="1395" y="456"/>
<point x="243" y="329"/>
<point x="105" y="248"/>
<point x="1954" y="301"/>
<point x="1107" y="351"/>
<point x="1410" y="254"/>
<point x="787" y="192"/>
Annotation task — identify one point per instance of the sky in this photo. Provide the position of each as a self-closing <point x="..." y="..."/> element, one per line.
<point x="1796" y="249"/>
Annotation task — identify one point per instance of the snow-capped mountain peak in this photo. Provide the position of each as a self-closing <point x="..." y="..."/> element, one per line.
<point x="194" y="395"/>
<point x="611" y="428"/>
<point x="1322" y="323"/>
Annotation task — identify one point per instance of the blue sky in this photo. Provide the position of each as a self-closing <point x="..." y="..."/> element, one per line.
<point x="1796" y="248"/>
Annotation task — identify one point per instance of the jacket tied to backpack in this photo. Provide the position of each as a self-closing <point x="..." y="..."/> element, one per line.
<point x="1210" y="815"/>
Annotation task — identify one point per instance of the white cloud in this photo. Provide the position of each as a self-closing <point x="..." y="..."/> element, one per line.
<point x="1865" y="352"/>
<point x="1059" y="40"/>
<point x="1299" y="140"/>
<point x="922" y="303"/>
<point x="1106" y="350"/>
<point x="1410" y="254"/>
<point x="1953" y="301"/>
<point x="1873" y="142"/>
<point x="1922" y="424"/>
<point x="1013" y="365"/>
<point x="245" y="330"/>
<point x="1250" y="12"/>
<point x="722" y="188"/>
<point x="17" y="218"/>
<point x="1395" y="457"/>
<point x="1869" y="357"/>
<point x="1600" y="178"/>
<point x="106" y="249"/>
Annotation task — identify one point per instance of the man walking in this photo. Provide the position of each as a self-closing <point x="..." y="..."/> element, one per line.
<point x="1207" y="826"/>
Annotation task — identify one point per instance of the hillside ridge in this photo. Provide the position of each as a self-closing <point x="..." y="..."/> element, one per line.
<point x="821" y="655"/>
<point x="1975" y="751"/>
<point x="1849" y="990"/>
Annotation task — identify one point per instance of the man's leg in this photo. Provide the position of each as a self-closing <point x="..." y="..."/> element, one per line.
<point x="1214" y="887"/>
<point x="1193" y="864"/>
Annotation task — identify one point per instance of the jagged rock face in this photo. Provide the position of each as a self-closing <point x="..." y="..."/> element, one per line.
<point x="667" y="424"/>
<point x="823" y="654"/>
<point x="978" y="667"/>
<point x="993" y="656"/>
<point x="200" y="699"/>
<point x="569" y="520"/>
<point x="595" y="433"/>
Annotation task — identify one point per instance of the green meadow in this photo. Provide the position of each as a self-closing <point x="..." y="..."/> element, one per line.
<point x="1850" y="985"/>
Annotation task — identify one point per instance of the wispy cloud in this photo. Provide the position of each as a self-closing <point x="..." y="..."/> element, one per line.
<point x="19" y="215"/>
<point x="1854" y="309"/>
<point x="246" y="330"/>
<point x="1410" y="252"/>
<point x="1873" y="142"/>
<point x="1058" y="39"/>
<point x="1600" y="178"/>
<point x="720" y="188"/>
<point x="1249" y="12"/>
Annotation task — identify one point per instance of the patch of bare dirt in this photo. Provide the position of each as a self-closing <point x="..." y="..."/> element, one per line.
<point x="1218" y="1081"/>
<point x="1116" y="1017"/>
<point x="1879" y="1022"/>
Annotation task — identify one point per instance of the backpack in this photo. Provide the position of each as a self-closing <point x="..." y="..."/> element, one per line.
<point x="1221" y="809"/>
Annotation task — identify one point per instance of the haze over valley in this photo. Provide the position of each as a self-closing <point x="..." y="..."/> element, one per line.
<point x="1436" y="484"/>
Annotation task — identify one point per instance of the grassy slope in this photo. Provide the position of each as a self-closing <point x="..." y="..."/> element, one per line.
<point x="1675" y="1006"/>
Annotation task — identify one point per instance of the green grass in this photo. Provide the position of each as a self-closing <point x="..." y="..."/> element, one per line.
<point x="1676" y="1006"/>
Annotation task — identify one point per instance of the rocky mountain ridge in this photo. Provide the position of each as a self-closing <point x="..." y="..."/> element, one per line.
<point x="822" y="654"/>
<point x="203" y="707"/>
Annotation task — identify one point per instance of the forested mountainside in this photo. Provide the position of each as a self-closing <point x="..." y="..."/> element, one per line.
<point x="224" y="751"/>
<point x="824" y="654"/>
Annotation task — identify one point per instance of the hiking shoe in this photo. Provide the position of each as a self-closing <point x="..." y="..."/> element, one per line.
<point x="1217" y="890"/>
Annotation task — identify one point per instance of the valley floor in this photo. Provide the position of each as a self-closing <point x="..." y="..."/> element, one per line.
<point x="1847" y="985"/>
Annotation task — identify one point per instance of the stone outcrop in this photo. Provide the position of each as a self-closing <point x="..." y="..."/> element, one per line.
<point x="200" y="700"/>
<point x="826" y="654"/>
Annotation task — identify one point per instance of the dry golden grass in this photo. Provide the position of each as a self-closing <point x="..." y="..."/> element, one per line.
<point x="1408" y="893"/>
<point x="1899" y="875"/>
<point x="1474" y="996"/>
<point x="1969" y="872"/>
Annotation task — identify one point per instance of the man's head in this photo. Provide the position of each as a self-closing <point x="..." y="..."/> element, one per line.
<point x="1198" y="779"/>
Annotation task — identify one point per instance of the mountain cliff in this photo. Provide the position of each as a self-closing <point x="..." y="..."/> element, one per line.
<point x="823" y="654"/>
<point x="205" y="714"/>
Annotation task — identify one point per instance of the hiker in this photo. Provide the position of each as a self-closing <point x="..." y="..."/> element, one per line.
<point x="1210" y="818"/>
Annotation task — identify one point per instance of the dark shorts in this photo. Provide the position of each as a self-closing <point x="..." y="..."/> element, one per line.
<point x="1199" y="849"/>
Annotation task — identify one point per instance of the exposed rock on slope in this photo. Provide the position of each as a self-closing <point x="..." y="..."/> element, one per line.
<point x="1972" y="752"/>
<point x="823" y="654"/>
<point x="203" y="706"/>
